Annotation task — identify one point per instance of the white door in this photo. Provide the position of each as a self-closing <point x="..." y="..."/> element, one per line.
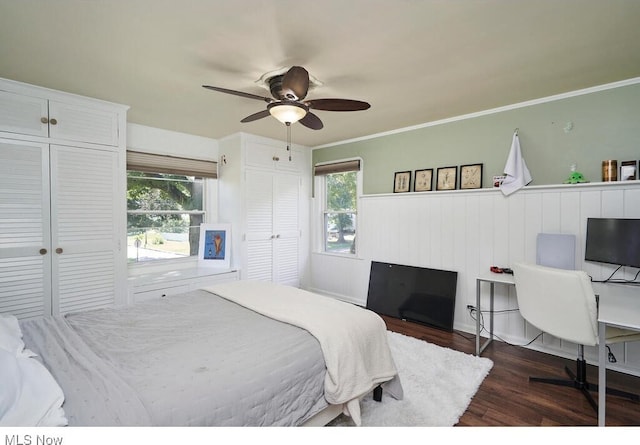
<point x="84" y="228"/>
<point x="259" y="235"/>
<point x="272" y="228"/>
<point x="287" y="229"/>
<point x="25" y="243"/>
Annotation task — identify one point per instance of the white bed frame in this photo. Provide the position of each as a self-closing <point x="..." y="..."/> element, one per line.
<point x="325" y="416"/>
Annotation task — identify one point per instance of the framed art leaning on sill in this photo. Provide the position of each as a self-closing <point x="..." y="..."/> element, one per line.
<point x="471" y="176"/>
<point x="422" y="180"/>
<point x="447" y="178"/>
<point x="401" y="182"/>
<point x="628" y="170"/>
<point x="214" y="247"/>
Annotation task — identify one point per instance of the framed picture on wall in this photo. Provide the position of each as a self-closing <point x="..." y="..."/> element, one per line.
<point x="471" y="176"/>
<point x="422" y="180"/>
<point x="214" y="246"/>
<point x="401" y="182"/>
<point x="628" y="170"/>
<point x="447" y="178"/>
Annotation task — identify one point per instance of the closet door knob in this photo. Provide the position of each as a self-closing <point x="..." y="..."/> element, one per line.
<point x="43" y="251"/>
<point x="53" y="121"/>
<point x="44" y="120"/>
<point x="59" y="250"/>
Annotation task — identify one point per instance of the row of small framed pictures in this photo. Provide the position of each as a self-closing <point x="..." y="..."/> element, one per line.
<point x="446" y="179"/>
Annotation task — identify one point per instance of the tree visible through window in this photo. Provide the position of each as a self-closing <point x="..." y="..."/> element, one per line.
<point x="164" y="212"/>
<point x="340" y="212"/>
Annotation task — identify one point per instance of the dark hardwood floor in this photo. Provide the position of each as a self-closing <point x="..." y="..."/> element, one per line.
<point x="507" y="398"/>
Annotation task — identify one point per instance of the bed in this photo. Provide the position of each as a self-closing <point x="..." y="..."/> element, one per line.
<point x="236" y="354"/>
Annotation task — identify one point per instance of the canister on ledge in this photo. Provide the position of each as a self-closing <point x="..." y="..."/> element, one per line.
<point x="609" y="171"/>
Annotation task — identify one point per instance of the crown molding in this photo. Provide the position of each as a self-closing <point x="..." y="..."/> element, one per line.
<point x="609" y="86"/>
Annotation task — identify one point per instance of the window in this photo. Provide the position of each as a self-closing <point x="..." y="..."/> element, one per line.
<point x="165" y="206"/>
<point x="338" y="183"/>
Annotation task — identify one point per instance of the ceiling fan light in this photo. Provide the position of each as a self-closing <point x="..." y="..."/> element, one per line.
<point x="287" y="113"/>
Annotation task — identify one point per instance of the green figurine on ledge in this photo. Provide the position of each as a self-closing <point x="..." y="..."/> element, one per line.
<point x="575" y="177"/>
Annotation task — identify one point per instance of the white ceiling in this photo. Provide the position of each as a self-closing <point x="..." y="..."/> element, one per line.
<point x="415" y="61"/>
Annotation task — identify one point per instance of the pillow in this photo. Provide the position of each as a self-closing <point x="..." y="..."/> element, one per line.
<point x="11" y="382"/>
<point x="29" y="395"/>
<point x="10" y="334"/>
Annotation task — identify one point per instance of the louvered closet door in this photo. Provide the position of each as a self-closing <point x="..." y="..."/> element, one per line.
<point x="84" y="228"/>
<point x="25" y="254"/>
<point x="286" y="227"/>
<point x="259" y="226"/>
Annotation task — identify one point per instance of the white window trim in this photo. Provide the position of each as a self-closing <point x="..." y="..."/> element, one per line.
<point x="318" y="212"/>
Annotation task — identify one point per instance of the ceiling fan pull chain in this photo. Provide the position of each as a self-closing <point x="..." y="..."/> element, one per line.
<point x="289" y="140"/>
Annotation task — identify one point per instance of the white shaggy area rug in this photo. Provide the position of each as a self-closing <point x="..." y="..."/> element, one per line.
<point x="438" y="384"/>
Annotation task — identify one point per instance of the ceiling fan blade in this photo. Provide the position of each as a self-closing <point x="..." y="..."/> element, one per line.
<point x="239" y="93"/>
<point x="295" y="83"/>
<point x="312" y="121"/>
<point x="337" y="105"/>
<point x="256" y="116"/>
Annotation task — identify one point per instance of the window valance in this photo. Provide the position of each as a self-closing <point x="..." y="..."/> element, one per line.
<point x="154" y="163"/>
<point x="336" y="167"/>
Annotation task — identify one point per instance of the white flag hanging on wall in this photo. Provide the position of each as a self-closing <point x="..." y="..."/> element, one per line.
<point x="516" y="171"/>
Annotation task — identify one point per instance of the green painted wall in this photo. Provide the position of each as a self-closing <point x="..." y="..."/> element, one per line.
<point x="605" y="125"/>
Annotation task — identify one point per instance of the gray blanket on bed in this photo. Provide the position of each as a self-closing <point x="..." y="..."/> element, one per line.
<point x="194" y="359"/>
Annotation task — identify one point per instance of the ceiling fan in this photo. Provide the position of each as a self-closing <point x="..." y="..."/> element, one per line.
<point x="288" y="104"/>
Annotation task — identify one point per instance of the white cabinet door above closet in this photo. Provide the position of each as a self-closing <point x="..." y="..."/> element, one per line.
<point x="273" y="155"/>
<point x="82" y="124"/>
<point x="34" y="116"/>
<point x="23" y="114"/>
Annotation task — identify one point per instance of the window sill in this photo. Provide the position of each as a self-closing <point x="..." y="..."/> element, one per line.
<point x="348" y="256"/>
<point x="177" y="275"/>
<point x="160" y="266"/>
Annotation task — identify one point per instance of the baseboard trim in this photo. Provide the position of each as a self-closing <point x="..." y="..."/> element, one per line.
<point x="340" y="297"/>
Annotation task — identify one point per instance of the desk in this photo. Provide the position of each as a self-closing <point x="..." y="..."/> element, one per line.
<point x="618" y="310"/>
<point x="493" y="279"/>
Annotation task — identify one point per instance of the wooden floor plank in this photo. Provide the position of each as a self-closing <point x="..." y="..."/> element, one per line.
<point x="507" y="398"/>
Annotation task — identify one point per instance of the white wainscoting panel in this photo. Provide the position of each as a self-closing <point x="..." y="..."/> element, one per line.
<point x="469" y="231"/>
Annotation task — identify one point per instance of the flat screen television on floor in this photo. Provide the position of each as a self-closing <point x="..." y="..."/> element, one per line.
<point x="613" y="241"/>
<point x="417" y="294"/>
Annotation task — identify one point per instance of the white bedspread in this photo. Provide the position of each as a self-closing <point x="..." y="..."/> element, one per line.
<point x="353" y="339"/>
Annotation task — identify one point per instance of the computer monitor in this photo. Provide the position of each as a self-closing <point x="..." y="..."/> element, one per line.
<point x="613" y="241"/>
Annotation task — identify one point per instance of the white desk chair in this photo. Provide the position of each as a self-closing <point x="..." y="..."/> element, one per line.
<point x="562" y="303"/>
